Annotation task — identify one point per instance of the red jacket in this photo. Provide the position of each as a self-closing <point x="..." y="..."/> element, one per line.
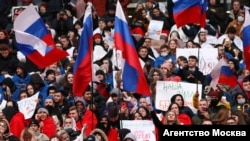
<point x="48" y="127"/>
<point x="113" y="134"/>
<point x="88" y="119"/>
<point x="185" y="119"/>
<point x="17" y="124"/>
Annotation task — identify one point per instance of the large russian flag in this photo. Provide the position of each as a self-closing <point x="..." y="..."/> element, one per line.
<point x="83" y="66"/>
<point x="222" y="74"/>
<point x="187" y="12"/>
<point x="246" y="38"/>
<point x="132" y="75"/>
<point x="34" y="40"/>
<point x="204" y="4"/>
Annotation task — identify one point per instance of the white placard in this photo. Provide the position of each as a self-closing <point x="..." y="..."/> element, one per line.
<point x="142" y="129"/>
<point x="166" y="89"/>
<point x="27" y="106"/>
<point x="207" y="57"/>
<point x="154" y="29"/>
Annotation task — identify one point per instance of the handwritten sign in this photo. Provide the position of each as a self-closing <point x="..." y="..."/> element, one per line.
<point x="207" y="57"/>
<point x="27" y="106"/>
<point x="142" y="129"/>
<point x="154" y="29"/>
<point x="166" y="89"/>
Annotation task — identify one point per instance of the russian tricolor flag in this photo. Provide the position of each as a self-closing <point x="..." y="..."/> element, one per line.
<point x="83" y="66"/>
<point x="246" y="38"/>
<point x="222" y="74"/>
<point x="34" y="40"/>
<point x="132" y="75"/>
<point x="187" y="12"/>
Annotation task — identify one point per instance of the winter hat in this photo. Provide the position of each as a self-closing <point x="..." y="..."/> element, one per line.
<point x="50" y="97"/>
<point x="43" y="110"/>
<point x="123" y="132"/>
<point x="34" y="121"/>
<point x="215" y="93"/>
<point x="91" y="138"/>
<point x="21" y="66"/>
<point x="115" y="91"/>
<point x="80" y="99"/>
<point x="130" y="136"/>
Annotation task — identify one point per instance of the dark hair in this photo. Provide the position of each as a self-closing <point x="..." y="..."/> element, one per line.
<point x="193" y="57"/>
<point x="231" y="30"/>
<point x="113" y="112"/>
<point x="172" y="100"/>
<point x="171" y="104"/>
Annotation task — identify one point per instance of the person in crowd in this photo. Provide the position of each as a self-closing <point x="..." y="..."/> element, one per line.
<point x="202" y="113"/>
<point x="15" y="119"/>
<point x="105" y="126"/>
<point x="35" y="127"/>
<point x="39" y="86"/>
<point x="21" y="78"/>
<point x="8" y="61"/>
<point x="46" y="122"/>
<point x="63" y="135"/>
<point x="9" y="90"/>
<point x="217" y="16"/>
<point x="237" y="23"/>
<point x="191" y="73"/>
<point x="178" y="98"/>
<point x="240" y="117"/>
<point x="28" y="135"/>
<point x="222" y="116"/>
<point x="69" y="125"/>
<point x="88" y="119"/>
<point x="207" y="122"/>
<point x="182" y="117"/>
<point x="5" y="132"/>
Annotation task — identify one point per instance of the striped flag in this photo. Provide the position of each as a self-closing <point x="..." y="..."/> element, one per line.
<point x="132" y="75"/>
<point x="83" y="66"/>
<point x="34" y="40"/>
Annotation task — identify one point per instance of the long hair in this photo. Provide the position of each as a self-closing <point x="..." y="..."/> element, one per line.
<point x="167" y="122"/>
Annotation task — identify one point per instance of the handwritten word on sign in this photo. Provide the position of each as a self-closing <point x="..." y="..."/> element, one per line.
<point x="166" y="89"/>
<point x="142" y="129"/>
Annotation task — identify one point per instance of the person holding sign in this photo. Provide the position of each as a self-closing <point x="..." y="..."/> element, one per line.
<point x="191" y="73"/>
<point x="170" y="118"/>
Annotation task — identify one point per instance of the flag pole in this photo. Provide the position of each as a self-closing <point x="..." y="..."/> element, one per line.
<point x="197" y="82"/>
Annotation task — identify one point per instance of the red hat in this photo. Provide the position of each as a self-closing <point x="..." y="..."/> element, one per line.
<point x="97" y="35"/>
<point x="215" y="93"/>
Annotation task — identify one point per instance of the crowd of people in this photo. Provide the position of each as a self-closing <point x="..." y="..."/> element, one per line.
<point x="59" y="115"/>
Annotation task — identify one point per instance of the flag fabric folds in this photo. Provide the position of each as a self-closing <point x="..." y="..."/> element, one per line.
<point x="132" y="75"/>
<point x="246" y="38"/>
<point x="83" y="65"/>
<point x="187" y="12"/>
<point x="204" y="4"/>
<point x="222" y="74"/>
<point x="34" y="40"/>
